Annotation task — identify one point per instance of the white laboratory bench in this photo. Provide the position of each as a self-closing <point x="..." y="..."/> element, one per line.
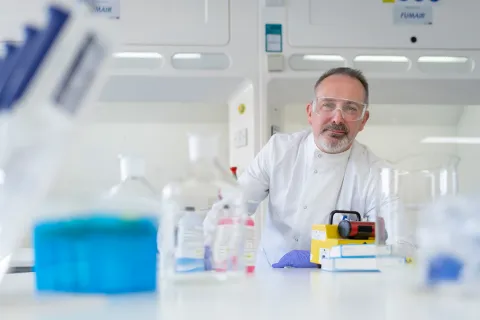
<point x="276" y="294"/>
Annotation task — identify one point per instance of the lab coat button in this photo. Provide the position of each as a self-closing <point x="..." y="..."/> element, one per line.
<point x="305" y="207"/>
<point x="315" y="171"/>
<point x="319" y="155"/>
<point x="296" y="239"/>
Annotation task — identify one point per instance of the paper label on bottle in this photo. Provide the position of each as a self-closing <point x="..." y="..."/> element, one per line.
<point x="249" y="246"/>
<point x="223" y="245"/>
<point x="190" y="242"/>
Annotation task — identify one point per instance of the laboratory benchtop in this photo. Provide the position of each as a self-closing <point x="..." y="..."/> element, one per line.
<point x="274" y="294"/>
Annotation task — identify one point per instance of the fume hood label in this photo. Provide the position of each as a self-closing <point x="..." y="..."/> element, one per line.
<point x="273" y="38"/>
<point x="107" y="8"/>
<point x="413" y="14"/>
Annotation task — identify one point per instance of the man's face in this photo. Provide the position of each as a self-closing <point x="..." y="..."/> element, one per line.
<point x="333" y="130"/>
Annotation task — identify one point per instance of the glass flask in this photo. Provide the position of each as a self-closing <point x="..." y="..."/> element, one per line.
<point x="106" y="245"/>
<point x="405" y="190"/>
<point x="249" y="237"/>
<point x="204" y="220"/>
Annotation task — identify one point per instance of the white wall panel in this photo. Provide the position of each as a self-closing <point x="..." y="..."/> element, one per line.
<point x="370" y="24"/>
<point x="175" y="22"/>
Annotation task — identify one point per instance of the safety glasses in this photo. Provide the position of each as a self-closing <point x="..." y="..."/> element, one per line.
<point x="351" y="110"/>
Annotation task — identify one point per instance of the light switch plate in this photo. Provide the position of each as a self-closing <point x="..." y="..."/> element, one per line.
<point x="275" y="62"/>
<point x="241" y="138"/>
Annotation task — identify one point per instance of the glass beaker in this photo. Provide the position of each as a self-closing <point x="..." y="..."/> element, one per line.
<point x="405" y="189"/>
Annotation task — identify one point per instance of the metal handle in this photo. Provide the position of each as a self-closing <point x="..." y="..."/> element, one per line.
<point x="334" y="212"/>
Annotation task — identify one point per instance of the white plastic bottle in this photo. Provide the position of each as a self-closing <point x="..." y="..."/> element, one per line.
<point x="134" y="194"/>
<point x="223" y="241"/>
<point x="198" y="192"/>
<point x="249" y="237"/>
<point x="133" y="179"/>
<point x="190" y="244"/>
<point x="250" y="245"/>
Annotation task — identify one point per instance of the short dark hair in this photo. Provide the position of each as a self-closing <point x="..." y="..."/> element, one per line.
<point x="352" y="73"/>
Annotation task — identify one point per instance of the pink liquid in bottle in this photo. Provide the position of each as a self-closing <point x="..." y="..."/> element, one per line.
<point x="250" y="245"/>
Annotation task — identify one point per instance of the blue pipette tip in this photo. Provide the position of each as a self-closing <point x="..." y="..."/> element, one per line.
<point x="25" y="61"/>
<point x="32" y="59"/>
<point x="30" y="32"/>
<point x="57" y="13"/>
<point x="444" y="268"/>
<point x="10" y="48"/>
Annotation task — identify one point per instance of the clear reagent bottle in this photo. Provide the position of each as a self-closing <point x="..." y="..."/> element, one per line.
<point x="192" y="211"/>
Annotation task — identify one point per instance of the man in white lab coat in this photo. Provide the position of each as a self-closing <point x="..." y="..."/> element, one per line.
<point x="311" y="173"/>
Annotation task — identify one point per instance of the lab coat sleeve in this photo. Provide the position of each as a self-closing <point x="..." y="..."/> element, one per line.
<point x="255" y="180"/>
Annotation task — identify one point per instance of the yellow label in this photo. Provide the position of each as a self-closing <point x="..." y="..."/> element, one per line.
<point x="241" y="108"/>
<point x="388" y="1"/>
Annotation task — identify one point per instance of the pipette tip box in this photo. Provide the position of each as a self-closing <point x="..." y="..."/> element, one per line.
<point x="96" y="253"/>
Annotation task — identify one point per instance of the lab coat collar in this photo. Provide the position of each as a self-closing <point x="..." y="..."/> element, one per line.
<point x="317" y="153"/>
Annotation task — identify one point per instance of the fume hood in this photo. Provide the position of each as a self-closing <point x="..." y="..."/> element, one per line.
<point x="424" y="84"/>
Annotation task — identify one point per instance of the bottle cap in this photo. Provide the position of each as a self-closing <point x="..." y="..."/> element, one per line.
<point x="10" y="48"/>
<point x="250" y="222"/>
<point x="202" y="146"/>
<point x="131" y="166"/>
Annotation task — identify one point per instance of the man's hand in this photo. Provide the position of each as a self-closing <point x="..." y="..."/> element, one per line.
<point x="295" y="259"/>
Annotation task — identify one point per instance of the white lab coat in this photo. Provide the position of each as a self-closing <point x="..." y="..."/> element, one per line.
<point x="304" y="185"/>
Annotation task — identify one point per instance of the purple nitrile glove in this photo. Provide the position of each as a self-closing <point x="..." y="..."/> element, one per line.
<point x="295" y="259"/>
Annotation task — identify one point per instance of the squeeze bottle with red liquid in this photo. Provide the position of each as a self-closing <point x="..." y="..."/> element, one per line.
<point x="249" y="249"/>
<point x="223" y="242"/>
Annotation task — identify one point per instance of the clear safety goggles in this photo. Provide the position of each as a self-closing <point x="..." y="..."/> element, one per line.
<point x="351" y="110"/>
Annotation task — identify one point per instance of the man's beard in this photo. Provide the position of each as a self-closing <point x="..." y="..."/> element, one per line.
<point x="338" y="142"/>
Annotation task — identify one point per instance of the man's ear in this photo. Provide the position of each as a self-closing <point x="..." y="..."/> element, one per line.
<point x="309" y="112"/>
<point x="365" y="119"/>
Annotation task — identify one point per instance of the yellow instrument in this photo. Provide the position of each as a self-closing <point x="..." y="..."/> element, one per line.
<point x="326" y="236"/>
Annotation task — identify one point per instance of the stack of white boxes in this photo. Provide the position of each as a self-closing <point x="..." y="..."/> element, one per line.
<point x="353" y="257"/>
